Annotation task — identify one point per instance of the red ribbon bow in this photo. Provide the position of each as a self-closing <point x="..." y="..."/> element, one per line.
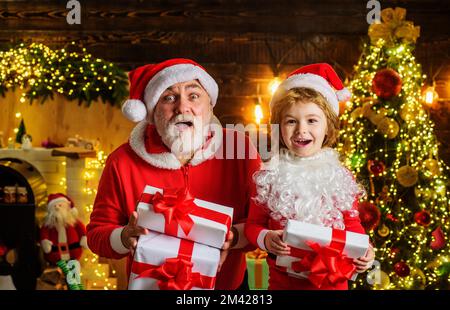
<point x="175" y="273"/>
<point x="175" y="205"/>
<point x="326" y="264"/>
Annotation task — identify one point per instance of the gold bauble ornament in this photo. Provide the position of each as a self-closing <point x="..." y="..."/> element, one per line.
<point x="383" y="231"/>
<point x="378" y="279"/>
<point x="408" y="112"/>
<point x="389" y="127"/>
<point x="407" y="176"/>
<point x="432" y="165"/>
<point x="375" y="118"/>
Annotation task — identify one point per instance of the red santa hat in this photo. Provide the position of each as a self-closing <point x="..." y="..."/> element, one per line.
<point x="53" y="199"/>
<point x="322" y="78"/>
<point x="148" y="82"/>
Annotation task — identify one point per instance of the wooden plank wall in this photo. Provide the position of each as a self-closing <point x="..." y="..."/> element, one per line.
<point x="242" y="43"/>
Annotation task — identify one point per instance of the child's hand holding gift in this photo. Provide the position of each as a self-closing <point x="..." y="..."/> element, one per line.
<point x="365" y="262"/>
<point x="274" y="243"/>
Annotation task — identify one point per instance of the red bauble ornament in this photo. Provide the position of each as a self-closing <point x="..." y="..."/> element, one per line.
<point x="369" y="214"/>
<point x="422" y="218"/>
<point x="387" y="83"/>
<point x="439" y="239"/>
<point x="375" y="166"/>
<point x="402" y="269"/>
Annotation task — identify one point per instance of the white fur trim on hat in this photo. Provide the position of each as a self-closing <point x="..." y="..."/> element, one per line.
<point x="178" y="74"/>
<point x="343" y="94"/>
<point x="134" y="110"/>
<point x="308" y="80"/>
<point x="53" y="202"/>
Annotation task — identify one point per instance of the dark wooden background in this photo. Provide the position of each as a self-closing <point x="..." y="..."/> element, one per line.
<point x="242" y="43"/>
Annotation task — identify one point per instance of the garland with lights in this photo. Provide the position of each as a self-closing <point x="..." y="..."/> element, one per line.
<point x="389" y="144"/>
<point x="41" y="72"/>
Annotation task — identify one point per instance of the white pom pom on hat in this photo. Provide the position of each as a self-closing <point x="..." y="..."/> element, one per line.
<point x="148" y="82"/>
<point x="322" y="78"/>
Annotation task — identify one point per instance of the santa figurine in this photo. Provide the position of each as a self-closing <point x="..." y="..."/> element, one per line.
<point x="6" y="269"/>
<point x="63" y="235"/>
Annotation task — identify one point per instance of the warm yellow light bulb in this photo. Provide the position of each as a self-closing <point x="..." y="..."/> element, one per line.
<point x="258" y="113"/>
<point x="430" y="95"/>
<point x="18" y="115"/>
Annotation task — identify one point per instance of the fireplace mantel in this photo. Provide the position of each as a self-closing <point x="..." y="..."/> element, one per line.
<point x="54" y="169"/>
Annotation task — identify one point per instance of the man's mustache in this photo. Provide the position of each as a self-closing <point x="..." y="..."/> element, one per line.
<point x="182" y="118"/>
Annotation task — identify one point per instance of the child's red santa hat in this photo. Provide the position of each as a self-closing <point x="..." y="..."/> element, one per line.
<point x="322" y="78"/>
<point x="148" y="82"/>
<point x="53" y="199"/>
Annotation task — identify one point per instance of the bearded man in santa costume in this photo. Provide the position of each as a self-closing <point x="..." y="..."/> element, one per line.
<point x="63" y="235"/>
<point x="178" y="143"/>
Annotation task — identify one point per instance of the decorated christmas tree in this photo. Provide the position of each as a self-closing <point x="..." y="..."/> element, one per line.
<point x="388" y="142"/>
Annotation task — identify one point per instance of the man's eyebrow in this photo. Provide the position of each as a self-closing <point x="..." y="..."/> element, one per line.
<point x="192" y="85"/>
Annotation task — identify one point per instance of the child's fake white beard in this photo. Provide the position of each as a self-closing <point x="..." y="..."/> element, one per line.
<point x="315" y="189"/>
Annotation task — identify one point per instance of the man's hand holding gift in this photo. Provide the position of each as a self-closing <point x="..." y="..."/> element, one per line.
<point x="131" y="232"/>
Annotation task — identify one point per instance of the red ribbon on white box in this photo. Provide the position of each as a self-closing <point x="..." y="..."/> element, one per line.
<point x="177" y="206"/>
<point x="175" y="273"/>
<point x="325" y="264"/>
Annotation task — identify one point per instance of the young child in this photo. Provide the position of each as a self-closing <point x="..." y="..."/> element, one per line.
<point x="306" y="181"/>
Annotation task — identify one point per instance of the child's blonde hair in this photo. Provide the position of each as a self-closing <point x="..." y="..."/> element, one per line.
<point x="304" y="95"/>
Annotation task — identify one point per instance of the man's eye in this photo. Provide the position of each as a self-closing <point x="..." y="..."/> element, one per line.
<point x="169" y="98"/>
<point x="194" y="96"/>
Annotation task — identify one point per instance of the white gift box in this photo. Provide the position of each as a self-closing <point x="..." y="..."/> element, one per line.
<point x="204" y="230"/>
<point x="296" y="234"/>
<point x="154" y="249"/>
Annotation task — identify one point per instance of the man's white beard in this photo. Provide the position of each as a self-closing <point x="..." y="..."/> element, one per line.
<point x="62" y="217"/>
<point x="184" y="143"/>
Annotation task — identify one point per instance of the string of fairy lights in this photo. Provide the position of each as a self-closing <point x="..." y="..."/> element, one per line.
<point x="40" y="71"/>
<point x="411" y="146"/>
